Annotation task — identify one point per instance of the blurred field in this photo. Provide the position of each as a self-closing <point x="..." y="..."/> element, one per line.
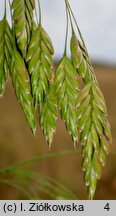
<point x="17" y="143"/>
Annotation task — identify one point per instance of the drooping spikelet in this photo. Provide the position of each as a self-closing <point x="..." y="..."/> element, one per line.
<point x="21" y="83"/>
<point x="95" y="133"/>
<point x="91" y="117"/>
<point x="39" y="59"/>
<point x="6" y="44"/>
<point x="67" y="90"/>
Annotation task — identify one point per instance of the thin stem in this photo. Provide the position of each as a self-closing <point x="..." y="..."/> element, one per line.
<point x="39" y="5"/>
<point x="69" y="16"/>
<point x="75" y="22"/>
<point x="5" y="9"/>
<point x="66" y="38"/>
<point x="39" y="158"/>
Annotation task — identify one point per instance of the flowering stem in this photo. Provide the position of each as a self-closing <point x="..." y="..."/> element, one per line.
<point x="71" y="12"/>
<point x="39" y="5"/>
<point x="66" y="38"/>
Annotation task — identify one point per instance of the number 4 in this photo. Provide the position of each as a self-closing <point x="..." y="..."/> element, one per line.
<point x="107" y="207"/>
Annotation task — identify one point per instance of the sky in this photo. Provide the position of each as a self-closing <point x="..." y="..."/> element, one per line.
<point x="96" y="19"/>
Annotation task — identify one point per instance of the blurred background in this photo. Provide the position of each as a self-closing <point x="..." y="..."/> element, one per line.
<point x="97" y="21"/>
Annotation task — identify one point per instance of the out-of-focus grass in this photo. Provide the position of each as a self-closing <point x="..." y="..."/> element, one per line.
<point x="31" y="184"/>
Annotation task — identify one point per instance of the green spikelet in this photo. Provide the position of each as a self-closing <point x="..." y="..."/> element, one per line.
<point x="67" y="89"/>
<point x="6" y="43"/>
<point x="81" y="61"/>
<point x="23" y="21"/>
<point x="95" y="133"/>
<point x="48" y="114"/>
<point x="39" y="58"/>
<point x="21" y="83"/>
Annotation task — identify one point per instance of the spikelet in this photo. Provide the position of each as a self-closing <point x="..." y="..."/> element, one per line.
<point x="95" y="133"/>
<point x="39" y="59"/>
<point x="67" y="89"/>
<point x="6" y="44"/>
<point x="48" y="114"/>
<point x="21" y="83"/>
<point x="81" y="61"/>
<point x="23" y="21"/>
